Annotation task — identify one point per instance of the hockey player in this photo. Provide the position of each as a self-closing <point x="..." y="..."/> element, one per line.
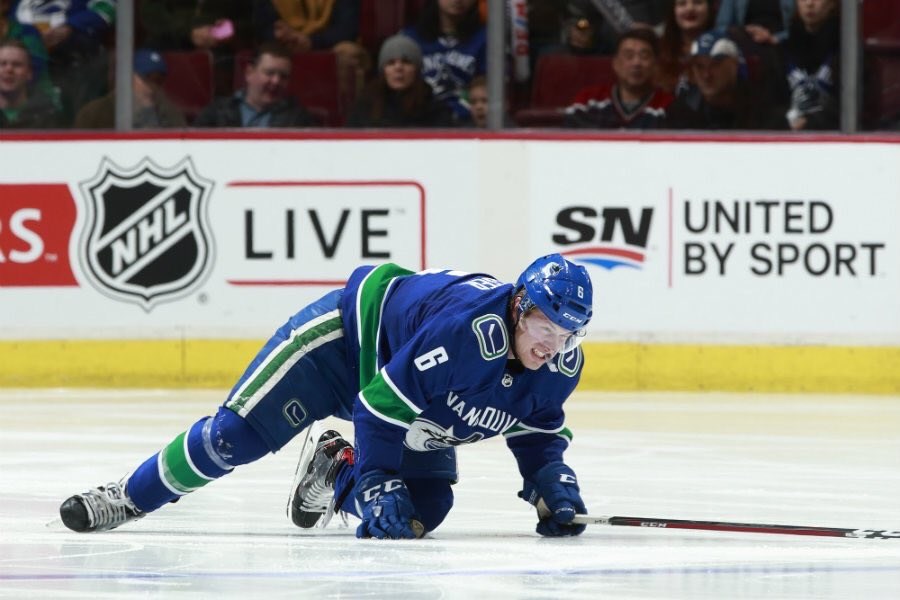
<point x="421" y="363"/>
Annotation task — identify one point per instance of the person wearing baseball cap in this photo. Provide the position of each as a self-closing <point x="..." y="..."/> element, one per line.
<point x="152" y="109"/>
<point x="724" y="97"/>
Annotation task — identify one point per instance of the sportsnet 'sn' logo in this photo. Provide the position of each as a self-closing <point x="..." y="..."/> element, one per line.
<point x="146" y="237"/>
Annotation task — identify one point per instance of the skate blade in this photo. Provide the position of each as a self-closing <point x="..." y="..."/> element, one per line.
<point x="316" y="429"/>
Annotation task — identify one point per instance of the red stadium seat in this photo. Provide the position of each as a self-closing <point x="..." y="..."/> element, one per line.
<point x="315" y="82"/>
<point x="189" y="83"/>
<point x="413" y="11"/>
<point x="380" y="19"/>
<point x="879" y="16"/>
<point x="881" y="96"/>
<point x="881" y="60"/>
<point x="557" y="79"/>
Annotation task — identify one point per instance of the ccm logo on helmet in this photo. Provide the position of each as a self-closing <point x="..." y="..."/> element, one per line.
<point x="572" y="317"/>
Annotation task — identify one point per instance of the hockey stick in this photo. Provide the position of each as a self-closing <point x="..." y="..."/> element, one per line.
<point x="742" y="527"/>
<point x="883" y="534"/>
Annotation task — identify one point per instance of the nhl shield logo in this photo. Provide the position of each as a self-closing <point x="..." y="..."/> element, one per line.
<point x="146" y="236"/>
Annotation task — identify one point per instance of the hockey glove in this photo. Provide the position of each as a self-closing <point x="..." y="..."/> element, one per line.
<point x="385" y="507"/>
<point x="554" y="492"/>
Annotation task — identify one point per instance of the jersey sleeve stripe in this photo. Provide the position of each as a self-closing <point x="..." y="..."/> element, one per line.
<point x="520" y="429"/>
<point x="381" y="400"/>
<point x="399" y="394"/>
<point x="369" y="299"/>
<point x="306" y="338"/>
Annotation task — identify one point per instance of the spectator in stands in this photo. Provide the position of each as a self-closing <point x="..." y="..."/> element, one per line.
<point x="582" y="27"/>
<point x="758" y="26"/>
<point x="810" y="56"/>
<point x="763" y="21"/>
<point x="264" y="99"/>
<point x="595" y="25"/>
<point x="634" y="101"/>
<point x="21" y="106"/>
<point x="453" y="42"/>
<point x="587" y="26"/>
<point x="203" y="24"/>
<point x="304" y="25"/>
<point x="74" y="33"/>
<point x="685" y="21"/>
<point x="222" y="27"/>
<point x="477" y="98"/>
<point x="726" y="100"/>
<point x="37" y="52"/>
<point x="152" y="109"/>
<point x="399" y="96"/>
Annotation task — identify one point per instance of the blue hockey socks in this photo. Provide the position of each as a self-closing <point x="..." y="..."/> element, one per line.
<point x="211" y="448"/>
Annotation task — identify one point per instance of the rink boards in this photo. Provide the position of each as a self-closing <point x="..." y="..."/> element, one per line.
<point x="742" y="263"/>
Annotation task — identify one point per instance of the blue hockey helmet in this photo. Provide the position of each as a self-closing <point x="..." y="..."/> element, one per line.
<point x="561" y="290"/>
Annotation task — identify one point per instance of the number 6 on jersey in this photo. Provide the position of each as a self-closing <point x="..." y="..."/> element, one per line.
<point x="431" y="359"/>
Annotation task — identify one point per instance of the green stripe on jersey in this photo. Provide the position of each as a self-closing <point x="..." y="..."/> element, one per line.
<point x="299" y="344"/>
<point x="383" y="402"/>
<point x="517" y="430"/>
<point x="369" y="298"/>
<point x="177" y="470"/>
<point x="106" y="9"/>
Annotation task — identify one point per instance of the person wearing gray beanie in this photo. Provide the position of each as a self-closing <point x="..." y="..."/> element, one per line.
<point x="399" y="96"/>
<point x="402" y="47"/>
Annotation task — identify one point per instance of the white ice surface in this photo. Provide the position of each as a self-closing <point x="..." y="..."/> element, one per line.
<point x="806" y="460"/>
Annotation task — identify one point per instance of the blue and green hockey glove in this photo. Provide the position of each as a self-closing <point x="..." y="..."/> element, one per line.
<point x="555" y="493"/>
<point x="385" y="507"/>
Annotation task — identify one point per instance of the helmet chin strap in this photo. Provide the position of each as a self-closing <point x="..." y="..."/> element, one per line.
<point x="516" y="313"/>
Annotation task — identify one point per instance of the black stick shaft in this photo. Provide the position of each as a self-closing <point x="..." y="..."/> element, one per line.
<point x="741" y="527"/>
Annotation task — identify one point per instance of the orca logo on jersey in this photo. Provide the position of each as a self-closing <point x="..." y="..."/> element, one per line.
<point x="424" y="435"/>
<point x="147" y="237"/>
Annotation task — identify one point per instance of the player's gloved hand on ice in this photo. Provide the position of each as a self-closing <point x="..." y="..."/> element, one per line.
<point x="555" y="493"/>
<point x="385" y="507"/>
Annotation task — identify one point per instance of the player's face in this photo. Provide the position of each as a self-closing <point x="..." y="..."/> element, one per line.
<point x="538" y="339"/>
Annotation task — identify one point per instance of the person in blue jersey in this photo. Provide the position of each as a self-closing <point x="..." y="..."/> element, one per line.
<point x="454" y="50"/>
<point x="421" y="363"/>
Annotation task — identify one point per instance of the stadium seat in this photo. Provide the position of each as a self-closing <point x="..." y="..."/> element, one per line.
<point x="880" y="19"/>
<point x="380" y="19"/>
<point x="413" y="11"/>
<point x="189" y="83"/>
<point x="881" y="60"/>
<point x="557" y="79"/>
<point x="315" y="82"/>
<point x="881" y="95"/>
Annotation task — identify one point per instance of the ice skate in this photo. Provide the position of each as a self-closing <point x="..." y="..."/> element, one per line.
<point x="100" y="509"/>
<point x="321" y="457"/>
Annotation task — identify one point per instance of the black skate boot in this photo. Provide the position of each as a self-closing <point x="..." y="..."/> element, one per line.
<point x="100" y="509"/>
<point x="311" y="501"/>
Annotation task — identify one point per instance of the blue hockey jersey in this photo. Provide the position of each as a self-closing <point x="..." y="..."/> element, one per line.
<point x="432" y="353"/>
<point x="449" y="64"/>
